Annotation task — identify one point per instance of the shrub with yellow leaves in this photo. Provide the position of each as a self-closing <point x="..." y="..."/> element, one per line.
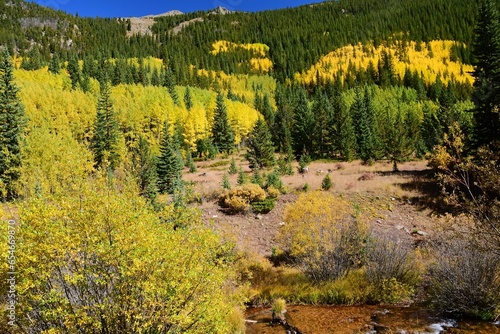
<point x="322" y="235"/>
<point x="240" y="198"/>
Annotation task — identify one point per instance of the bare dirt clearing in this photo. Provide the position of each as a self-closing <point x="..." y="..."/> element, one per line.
<point x="393" y="201"/>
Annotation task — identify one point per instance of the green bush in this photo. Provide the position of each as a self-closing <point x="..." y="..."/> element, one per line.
<point x="326" y="184"/>
<point x="264" y="206"/>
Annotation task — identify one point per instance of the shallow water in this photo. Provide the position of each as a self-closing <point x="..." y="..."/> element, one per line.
<point x="364" y="319"/>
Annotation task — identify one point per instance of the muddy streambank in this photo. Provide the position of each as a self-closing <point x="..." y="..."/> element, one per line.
<point x="364" y="319"/>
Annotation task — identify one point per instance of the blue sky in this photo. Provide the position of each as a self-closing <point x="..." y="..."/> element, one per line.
<point x="121" y="8"/>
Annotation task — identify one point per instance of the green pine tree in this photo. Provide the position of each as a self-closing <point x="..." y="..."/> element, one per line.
<point x="74" y="71"/>
<point x="169" y="166"/>
<point x="190" y="162"/>
<point x="303" y="128"/>
<point x="242" y="178"/>
<point x="104" y="143"/>
<point x="257" y="178"/>
<point x="12" y="122"/>
<point x="144" y="165"/>
<point x="326" y="183"/>
<point x="487" y="74"/>
<point x="188" y="100"/>
<point x="322" y="137"/>
<point x="169" y="83"/>
<point x="260" y="151"/>
<point x="226" y="184"/>
<point x="232" y="167"/>
<point x="344" y="140"/>
<point x="268" y="111"/>
<point x="362" y="128"/>
<point x="222" y="133"/>
<point x="54" y="65"/>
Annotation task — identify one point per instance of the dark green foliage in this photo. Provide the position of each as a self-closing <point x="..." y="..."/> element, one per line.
<point x="169" y="83"/>
<point x="431" y="130"/>
<point x="188" y="100"/>
<point x="226" y="184"/>
<point x="178" y="138"/>
<point x="257" y="178"/>
<point x="273" y="179"/>
<point x="487" y="75"/>
<point x="372" y="120"/>
<point x="302" y="132"/>
<point x="363" y="128"/>
<point x="155" y="78"/>
<point x="260" y="153"/>
<point x="74" y="72"/>
<point x="399" y="136"/>
<point x="144" y="167"/>
<point x="264" y="206"/>
<point x="33" y="60"/>
<point x="104" y="143"/>
<point x="326" y="183"/>
<point x="344" y="136"/>
<point x="267" y="111"/>
<point x="232" y="167"/>
<point x="54" y="65"/>
<point x="12" y="122"/>
<point x="169" y="165"/>
<point x="242" y="178"/>
<point x="282" y="130"/>
<point x="190" y="162"/>
<point x="322" y="135"/>
<point x="303" y="162"/>
<point x="222" y="133"/>
<point x="231" y="96"/>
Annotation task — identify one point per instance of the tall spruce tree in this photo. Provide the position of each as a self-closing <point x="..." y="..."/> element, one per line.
<point x="362" y="127"/>
<point x="74" y="71"/>
<point x="344" y="137"/>
<point x="487" y="74"/>
<point x="169" y="83"/>
<point x="371" y="115"/>
<point x="303" y="128"/>
<point x="222" y="133"/>
<point x="104" y="143"/>
<point x="260" y="152"/>
<point x="322" y="136"/>
<point x="169" y="165"/>
<point x="12" y="122"/>
<point x="144" y="165"/>
<point x="268" y="111"/>
<point x="188" y="100"/>
<point x="54" y="65"/>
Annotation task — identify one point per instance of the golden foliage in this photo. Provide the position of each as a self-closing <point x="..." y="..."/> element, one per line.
<point x="260" y="63"/>
<point x="240" y="198"/>
<point x="309" y="218"/>
<point x="258" y="49"/>
<point x="97" y="258"/>
<point x="50" y="104"/>
<point x="432" y="60"/>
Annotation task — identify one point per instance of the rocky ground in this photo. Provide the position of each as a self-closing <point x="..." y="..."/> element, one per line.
<point x="395" y="201"/>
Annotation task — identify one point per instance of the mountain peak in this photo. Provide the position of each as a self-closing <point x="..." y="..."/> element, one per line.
<point x="169" y="13"/>
<point x="221" y="10"/>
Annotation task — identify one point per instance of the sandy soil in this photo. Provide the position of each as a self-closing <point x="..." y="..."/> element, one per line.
<point x="396" y="200"/>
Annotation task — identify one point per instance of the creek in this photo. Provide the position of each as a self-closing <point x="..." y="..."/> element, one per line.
<point x="364" y="319"/>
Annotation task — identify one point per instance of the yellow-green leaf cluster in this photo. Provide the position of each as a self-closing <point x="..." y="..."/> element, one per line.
<point x="430" y="60"/>
<point x="99" y="259"/>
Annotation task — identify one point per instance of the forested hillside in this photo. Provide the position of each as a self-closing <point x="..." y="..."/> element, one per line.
<point x="101" y="129"/>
